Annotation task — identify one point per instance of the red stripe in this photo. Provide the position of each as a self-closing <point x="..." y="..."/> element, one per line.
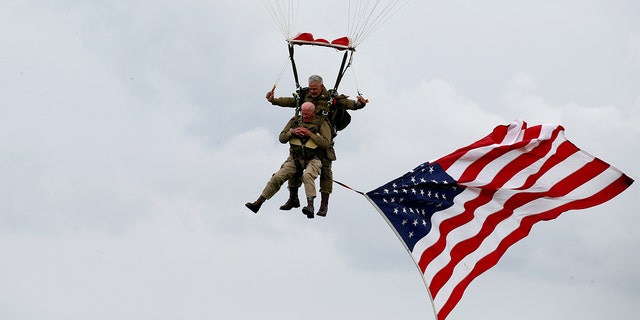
<point x="471" y="173"/>
<point x="485" y="195"/>
<point x="452" y="223"/>
<point x="525" y="160"/>
<point x="497" y="136"/>
<point x="534" y="132"/>
<point x="503" y="139"/>
<point x="526" y="225"/>
<point x="465" y="247"/>
<point x="468" y="215"/>
<point x="564" y="151"/>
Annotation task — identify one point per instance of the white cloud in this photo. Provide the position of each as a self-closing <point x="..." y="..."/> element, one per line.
<point x="132" y="135"/>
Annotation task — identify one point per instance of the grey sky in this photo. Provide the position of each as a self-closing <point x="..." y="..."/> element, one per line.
<point x="132" y="133"/>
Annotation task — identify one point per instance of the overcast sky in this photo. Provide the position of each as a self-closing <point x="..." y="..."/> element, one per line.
<point x="133" y="132"/>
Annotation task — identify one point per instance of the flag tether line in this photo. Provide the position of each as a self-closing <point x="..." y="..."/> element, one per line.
<point x="346" y="186"/>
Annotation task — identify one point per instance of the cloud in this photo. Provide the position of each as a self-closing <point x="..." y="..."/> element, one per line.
<point x="133" y="135"/>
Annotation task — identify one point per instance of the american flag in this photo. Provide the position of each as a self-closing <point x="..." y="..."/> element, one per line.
<point x="459" y="214"/>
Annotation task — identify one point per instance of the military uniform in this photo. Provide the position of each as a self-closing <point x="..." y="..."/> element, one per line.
<point x="304" y="155"/>
<point x="324" y="106"/>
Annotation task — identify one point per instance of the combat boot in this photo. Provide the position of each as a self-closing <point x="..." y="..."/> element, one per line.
<point x="324" y="204"/>
<point x="308" y="210"/>
<point x="293" y="201"/>
<point x="255" y="206"/>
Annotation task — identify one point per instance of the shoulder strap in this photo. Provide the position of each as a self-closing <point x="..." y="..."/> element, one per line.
<point x="293" y="66"/>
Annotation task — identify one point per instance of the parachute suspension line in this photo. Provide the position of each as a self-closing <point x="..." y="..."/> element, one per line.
<point x="355" y="80"/>
<point x="343" y="68"/>
<point x="284" y="13"/>
<point x="368" y="16"/>
<point x="275" y="83"/>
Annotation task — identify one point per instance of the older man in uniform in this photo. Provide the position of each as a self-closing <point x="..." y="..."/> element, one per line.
<point x="326" y="105"/>
<point x="307" y="140"/>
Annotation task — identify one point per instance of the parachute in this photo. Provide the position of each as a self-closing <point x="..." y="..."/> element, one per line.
<point x="363" y="18"/>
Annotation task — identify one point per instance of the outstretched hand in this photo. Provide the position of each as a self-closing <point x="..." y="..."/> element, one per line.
<point x="269" y="96"/>
<point x="361" y="101"/>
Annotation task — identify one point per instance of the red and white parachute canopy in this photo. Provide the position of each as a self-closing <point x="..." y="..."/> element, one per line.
<point x="363" y="18"/>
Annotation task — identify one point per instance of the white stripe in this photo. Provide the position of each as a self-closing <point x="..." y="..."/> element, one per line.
<point x="506" y="227"/>
<point x="436" y="220"/>
<point x="462" y="233"/>
<point x="584" y="191"/>
<point x="560" y="171"/>
<point x="471" y="229"/>
<point x="489" y="172"/>
<point x="509" y="225"/>
<point x="514" y="135"/>
<point x="458" y="168"/>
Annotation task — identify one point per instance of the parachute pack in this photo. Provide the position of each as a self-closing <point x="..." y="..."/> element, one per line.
<point x="340" y="118"/>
